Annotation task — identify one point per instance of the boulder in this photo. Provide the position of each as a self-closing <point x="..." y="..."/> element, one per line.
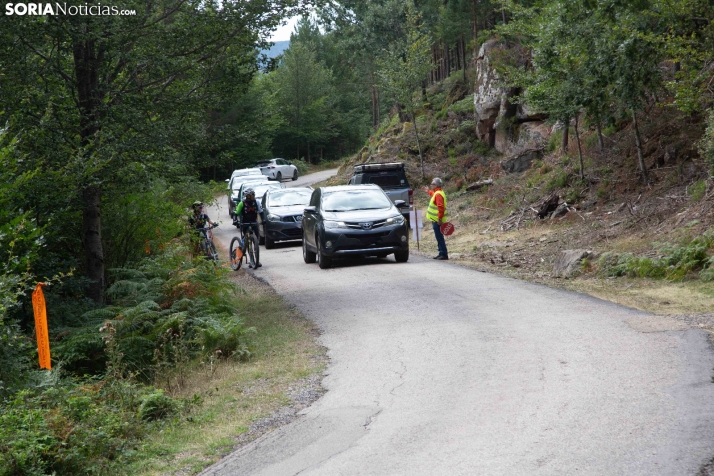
<point x="521" y="162"/>
<point x="562" y="210"/>
<point x="569" y="262"/>
<point x="500" y="122"/>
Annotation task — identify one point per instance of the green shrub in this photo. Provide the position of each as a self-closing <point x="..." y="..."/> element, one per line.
<point x="464" y="106"/>
<point x="674" y="263"/>
<point x="85" y="427"/>
<point x="697" y="190"/>
<point x="706" y="143"/>
<point x="156" y="406"/>
<point x="558" y="180"/>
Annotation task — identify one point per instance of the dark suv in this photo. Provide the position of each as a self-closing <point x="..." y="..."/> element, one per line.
<point x="347" y="220"/>
<point x="391" y="177"/>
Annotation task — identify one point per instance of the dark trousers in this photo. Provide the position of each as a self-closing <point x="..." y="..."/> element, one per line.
<point x="440" y="242"/>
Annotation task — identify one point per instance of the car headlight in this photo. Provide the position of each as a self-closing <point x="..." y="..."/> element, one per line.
<point x="272" y="217"/>
<point x="335" y="224"/>
<point x="397" y="220"/>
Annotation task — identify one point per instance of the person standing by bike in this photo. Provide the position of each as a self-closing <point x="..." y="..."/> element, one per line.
<point x="198" y="222"/>
<point x="199" y="219"/>
<point x="247" y="211"/>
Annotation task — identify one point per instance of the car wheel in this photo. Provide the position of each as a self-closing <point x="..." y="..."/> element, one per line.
<point x="279" y="177"/>
<point x="269" y="244"/>
<point x="322" y="261"/>
<point x="307" y="255"/>
<point x="295" y="175"/>
<point x="401" y="256"/>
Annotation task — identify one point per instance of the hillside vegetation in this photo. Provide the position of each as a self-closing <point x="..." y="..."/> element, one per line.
<point x="650" y="246"/>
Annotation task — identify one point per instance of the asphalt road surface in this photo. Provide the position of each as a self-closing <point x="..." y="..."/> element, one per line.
<point x="440" y="370"/>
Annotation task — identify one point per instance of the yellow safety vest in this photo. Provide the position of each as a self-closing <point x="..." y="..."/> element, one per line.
<point x="432" y="213"/>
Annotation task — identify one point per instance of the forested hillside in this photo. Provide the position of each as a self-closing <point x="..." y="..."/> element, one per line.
<point x="112" y="125"/>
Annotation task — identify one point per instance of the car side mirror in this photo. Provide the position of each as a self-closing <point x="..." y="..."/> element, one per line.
<point x="310" y="210"/>
<point x="400" y="203"/>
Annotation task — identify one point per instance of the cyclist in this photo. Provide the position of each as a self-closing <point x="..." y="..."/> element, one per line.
<point x="198" y="221"/>
<point x="247" y="211"/>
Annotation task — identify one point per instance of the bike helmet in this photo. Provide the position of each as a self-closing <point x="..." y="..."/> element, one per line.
<point x="196" y="204"/>
<point x="248" y="191"/>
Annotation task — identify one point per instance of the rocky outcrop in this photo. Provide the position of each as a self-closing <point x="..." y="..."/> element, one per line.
<point x="569" y="263"/>
<point x="522" y="161"/>
<point x="508" y="127"/>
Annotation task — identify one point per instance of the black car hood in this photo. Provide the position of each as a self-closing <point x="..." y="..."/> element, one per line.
<point x="287" y="211"/>
<point x="361" y="215"/>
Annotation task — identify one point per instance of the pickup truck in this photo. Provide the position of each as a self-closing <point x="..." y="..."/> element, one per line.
<point x="391" y="177"/>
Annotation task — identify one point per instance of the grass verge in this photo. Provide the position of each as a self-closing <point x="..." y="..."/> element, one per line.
<point x="235" y="397"/>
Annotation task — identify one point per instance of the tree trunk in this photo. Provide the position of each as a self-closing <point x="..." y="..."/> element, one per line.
<point x="92" y="241"/>
<point x="421" y="158"/>
<point x="463" y="57"/>
<point x="86" y="67"/>
<point x="580" y="150"/>
<point x="475" y="11"/>
<point x="638" y="143"/>
<point x="375" y="121"/>
<point x="600" y="141"/>
<point x="564" y="142"/>
<point x="308" y="152"/>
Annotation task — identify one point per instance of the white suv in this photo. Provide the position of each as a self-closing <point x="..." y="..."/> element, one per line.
<point x="278" y="169"/>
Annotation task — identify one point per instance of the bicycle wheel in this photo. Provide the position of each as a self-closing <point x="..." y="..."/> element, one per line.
<point x="212" y="253"/>
<point x="252" y="249"/>
<point x="235" y="255"/>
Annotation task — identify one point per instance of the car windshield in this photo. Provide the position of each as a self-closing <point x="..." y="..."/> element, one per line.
<point x="347" y="200"/>
<point x="289" y="197"/>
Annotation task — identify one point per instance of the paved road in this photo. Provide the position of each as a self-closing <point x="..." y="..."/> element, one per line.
<point x="436" y="369"/>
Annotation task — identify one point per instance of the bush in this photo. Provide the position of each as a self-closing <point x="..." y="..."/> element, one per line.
<point x="706" y="144"/>
<point x="156" y="405"/>
<point x="675" y="262"/>
<point x="697" y="190"/>
<point x="85" y="427"/>
<point x="465" y="106"/>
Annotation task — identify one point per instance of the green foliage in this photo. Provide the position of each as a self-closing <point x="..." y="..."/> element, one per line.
<point x="156" y="406"/>
<point x="674" y="263"/>
<point x="706" y="144"/>
<point x="88" y="427"/>
<point x="697" y="190"/>
<point x="559" y="179"/>
<point x="464" y="106"/>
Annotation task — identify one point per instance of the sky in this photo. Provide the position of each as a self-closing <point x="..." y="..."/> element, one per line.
<point x="283" y="32"/>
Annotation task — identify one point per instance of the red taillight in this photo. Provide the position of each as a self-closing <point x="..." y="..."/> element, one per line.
<point x="271" y="167"/>
<point x="411" y="197"/>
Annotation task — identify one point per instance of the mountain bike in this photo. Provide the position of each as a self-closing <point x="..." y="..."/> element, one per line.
<point x="208" y="249"/>
<point x="247" y="247"/>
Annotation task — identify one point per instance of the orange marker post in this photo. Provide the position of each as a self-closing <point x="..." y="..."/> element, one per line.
<point x="41" y="330"/>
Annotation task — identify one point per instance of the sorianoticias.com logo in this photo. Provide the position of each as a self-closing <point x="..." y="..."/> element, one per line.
<point x="21" y="9"/>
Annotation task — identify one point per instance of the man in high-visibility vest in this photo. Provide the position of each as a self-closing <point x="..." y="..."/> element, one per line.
<point x="436" y="213"/>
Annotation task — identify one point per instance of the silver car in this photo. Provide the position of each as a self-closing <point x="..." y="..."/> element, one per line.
<point x="283" y="209"/>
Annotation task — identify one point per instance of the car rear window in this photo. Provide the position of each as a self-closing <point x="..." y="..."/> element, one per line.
<point x="262" y="164"/>
<point x="287" y="198"/>
<point x="387" y="180"/>
<point x="260" y="189"/>
<point x="346" y="200"/>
